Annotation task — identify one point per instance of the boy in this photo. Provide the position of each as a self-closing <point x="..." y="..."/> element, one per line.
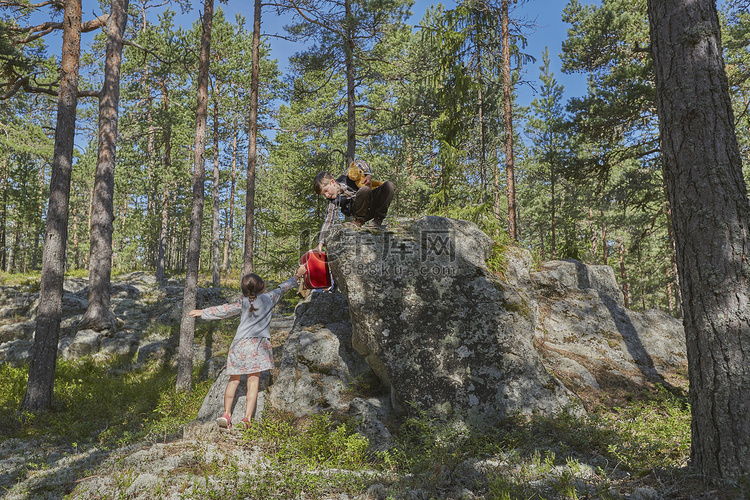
<point x="355" y="194"/>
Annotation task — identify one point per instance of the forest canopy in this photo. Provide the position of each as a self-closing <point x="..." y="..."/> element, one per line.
<point x="429" y="114"/>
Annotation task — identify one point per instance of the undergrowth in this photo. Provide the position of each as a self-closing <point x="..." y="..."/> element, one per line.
<point x="564" y="456"/>
<point x="304" y="458"/>
<point x="561" y="457"/>
<point x="107" y="404"/>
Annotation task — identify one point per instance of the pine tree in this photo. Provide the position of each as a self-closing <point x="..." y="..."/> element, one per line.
<point x="711" y="219"/>
<point x="38" y="397"/>
<point x="187" y="325"/>
<point x="98" y="315"/>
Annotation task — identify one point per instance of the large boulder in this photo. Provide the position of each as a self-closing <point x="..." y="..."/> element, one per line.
<point x="146" y="313"/>
<point x="213" y="404"/>
<point x="319" y="370"/>
<point x="593" y="343"/>
<point x="437" y="326"/>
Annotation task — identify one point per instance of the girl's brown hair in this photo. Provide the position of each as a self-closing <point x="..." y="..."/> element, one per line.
<point x="251" y="285"/>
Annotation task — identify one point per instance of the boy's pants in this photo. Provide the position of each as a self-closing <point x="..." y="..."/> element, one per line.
<point x="373" y="203"/>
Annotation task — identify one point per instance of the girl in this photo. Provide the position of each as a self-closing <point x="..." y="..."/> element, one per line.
<point x="250" y="352"/>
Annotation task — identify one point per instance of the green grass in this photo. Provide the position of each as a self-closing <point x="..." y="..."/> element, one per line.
<point x="315" y="442"/>
<point x="562" y="457"/>
<point x="100" y="403"/>
<point x="28" y="282"/>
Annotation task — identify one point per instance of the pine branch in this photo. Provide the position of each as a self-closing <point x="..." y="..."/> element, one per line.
<point x="9" y="5"/>
<point x="25" y="84"/>
<point x="43" y="29"/>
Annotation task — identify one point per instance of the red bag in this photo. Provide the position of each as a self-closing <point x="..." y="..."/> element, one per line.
<point x="318" y="275"/>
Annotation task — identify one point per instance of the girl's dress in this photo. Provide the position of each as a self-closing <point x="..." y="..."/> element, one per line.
<point x="251" y="350"/>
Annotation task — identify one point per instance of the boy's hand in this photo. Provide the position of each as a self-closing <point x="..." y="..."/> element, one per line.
<point x="195" y="313"/>
<point x="366" y="181"/>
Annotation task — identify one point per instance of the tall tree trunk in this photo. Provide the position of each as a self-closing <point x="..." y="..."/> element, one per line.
<point x="593" y="238"/>
<point x="4" y="213"/>
<point x="670" y="296"/>
<point x="673" y="263"/>
<point x="11" y="255"/>
<point x="508" y="102"/>
<point x="496" y="183"/>
<point x="25" y="255"/>
<point x="230" y="218"/>
<point x="542" y="244"/>
<point x="624" y="275"/>
<point x="76" y="251"/>
<point x="247" y="256"/>
<point x="163" y="233"/>
<point x="351" y="116"/>
<point x="605" y="245"/>
<point x="216" y="205"/>
<point x="711" y="219"/>
<point x="151" y="188"/>
<point x="164" y="229"/>
<point x="38" y="397"/>
<point x="553" y="215"/>
<point x="98" y="315"/>
<point x="16" y="246"/>
<point x="38" y="227"/>
<point x="480" y="117"/>
<point x="187" y="325"/>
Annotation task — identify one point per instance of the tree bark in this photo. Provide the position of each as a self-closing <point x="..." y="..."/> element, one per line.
<point x="624" y="275"/>
<point x="163" y="232"/>
<point x="38" y="397"/>
<point x="39" y="226"/>
<point x="187" y="325"/>
<point x="711" y="219"/>
<point x="4" y="213"/>
<point x="482" y="140"/>
<point x="553" y="215"/>
<point x="98" y="315"/>
<point x="76" y="252"/>
<point x="605" y="243"/>
<point x="351" y="116"/>
<point x="216" y="205"/>
<point x="230" y="217"/>
<point x="247" y="256"/>
<point x="673" y="263"/>
<point x="164" y="229"/>
<point x="508" y="102"/>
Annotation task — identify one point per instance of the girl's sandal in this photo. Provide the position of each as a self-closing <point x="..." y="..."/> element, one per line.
<point x="225" y="421"/>
<point x="245" y="423"/>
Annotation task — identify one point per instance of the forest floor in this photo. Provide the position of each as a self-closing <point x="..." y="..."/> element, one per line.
<point x="122" y="432"/>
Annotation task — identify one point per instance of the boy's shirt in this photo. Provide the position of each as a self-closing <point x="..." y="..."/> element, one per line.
<point x="344" y="200"/>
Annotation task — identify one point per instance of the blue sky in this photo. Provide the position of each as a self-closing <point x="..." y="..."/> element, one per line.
<point x="550" y="31"/>
<point x="545" y="15"/>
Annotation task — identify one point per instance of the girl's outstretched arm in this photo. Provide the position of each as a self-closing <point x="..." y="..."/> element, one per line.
<point x="287" y="285"/>
<point x="222" y="311"/>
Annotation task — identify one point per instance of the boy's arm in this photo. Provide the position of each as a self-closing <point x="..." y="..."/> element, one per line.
<point x="366" y="176"/>
<point x="222" y="311"/>
<point x="327" y="223"/>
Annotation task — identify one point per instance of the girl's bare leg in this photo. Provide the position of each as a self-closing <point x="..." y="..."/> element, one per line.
<point x="234" y="382"/>
<point x="252" y="394"/>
